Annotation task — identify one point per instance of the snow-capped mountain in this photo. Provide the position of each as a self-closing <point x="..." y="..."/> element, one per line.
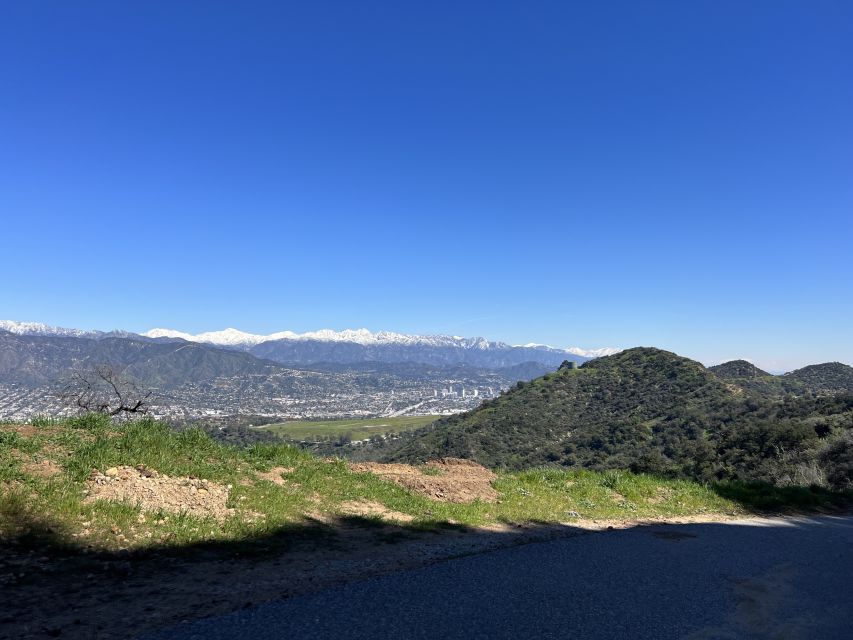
<point x="39" y="329"/>
<point x="347" y="346"/>
<point x="235" y="337"/>
<point x="585" y="353"/>
<point x="359" y="345"/>
<point x="593" y="353"/>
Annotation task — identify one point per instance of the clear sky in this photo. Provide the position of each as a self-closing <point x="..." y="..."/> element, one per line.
<point x="676" y="174"/>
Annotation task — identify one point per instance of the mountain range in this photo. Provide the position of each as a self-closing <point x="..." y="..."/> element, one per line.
<point x="345" y="375"/>
<point x="348" y="346"/>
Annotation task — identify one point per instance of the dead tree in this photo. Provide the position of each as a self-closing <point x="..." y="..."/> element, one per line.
<point x="102" y="390"/>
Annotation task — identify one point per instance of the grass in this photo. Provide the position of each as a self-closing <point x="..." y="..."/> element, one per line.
<point x="31" y="503"/>
<point x="356" y="429"/>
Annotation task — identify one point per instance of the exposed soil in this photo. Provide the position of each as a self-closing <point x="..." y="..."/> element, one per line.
<point x="43" y="469"/>
<point x="28" y="430"/>
<point x="153" y="491"/>
<point x="370" y="509"/>
<point x="274" y="475"/>
<point x="451" y="480"/>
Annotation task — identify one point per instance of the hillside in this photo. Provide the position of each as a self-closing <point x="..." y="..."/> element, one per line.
<point x="647" y="410"/>
<point x="129" y="515"/>
<point x="745" y="378"/>
<point x="41" y="360"/>
<point x="737" y="369"/>
<point x="574" y="417"/>
<point x="829" y="377"/>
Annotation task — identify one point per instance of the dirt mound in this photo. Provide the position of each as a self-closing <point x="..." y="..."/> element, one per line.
<point x="445" y="480"/>
<point x="153" y="491"/>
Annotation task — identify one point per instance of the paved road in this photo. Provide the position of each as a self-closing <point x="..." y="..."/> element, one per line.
<point x="754" y="579"/>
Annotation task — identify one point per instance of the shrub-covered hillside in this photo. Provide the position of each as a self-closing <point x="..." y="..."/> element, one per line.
<point x="649" y="411"/>
<point x="738" y="369"/>
<point x="828" y="377"/>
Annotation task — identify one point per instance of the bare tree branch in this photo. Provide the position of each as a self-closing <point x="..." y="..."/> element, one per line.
<point x="101" y="390"/>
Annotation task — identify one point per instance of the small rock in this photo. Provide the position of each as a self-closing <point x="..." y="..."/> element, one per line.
<point x="112" y="472"/>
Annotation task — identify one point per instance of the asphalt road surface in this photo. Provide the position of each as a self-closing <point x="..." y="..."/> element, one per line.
<point x="790" y="578"/>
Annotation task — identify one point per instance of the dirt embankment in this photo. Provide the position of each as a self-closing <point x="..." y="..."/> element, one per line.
<point x="446" y="480"/>
<point x="154" y="491"/>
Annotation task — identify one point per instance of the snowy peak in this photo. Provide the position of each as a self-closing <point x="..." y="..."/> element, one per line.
<point x="365" y="337"/>
<point x="575" y="351"/>
<point x="227" y="337"/>
<point x="241" y="339"/>
<point x="593" y="353"/>
<point x="168" y="333"/>
<point x="235" y="337"/>
<point x="40" y="329"/>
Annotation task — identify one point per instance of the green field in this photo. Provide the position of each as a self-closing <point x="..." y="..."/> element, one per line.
<point x="356" y="429"/>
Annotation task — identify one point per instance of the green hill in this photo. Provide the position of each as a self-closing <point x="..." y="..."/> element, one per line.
<point x="745" y="378"/>
<point x="821" y="379"/>
<point x="738" y="369"/>
<point x="603" y="415"/>
<point x="828" y="377"/>
<point x="650" y="411"/>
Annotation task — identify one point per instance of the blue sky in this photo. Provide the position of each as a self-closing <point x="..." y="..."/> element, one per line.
<point x="677" y="174"/>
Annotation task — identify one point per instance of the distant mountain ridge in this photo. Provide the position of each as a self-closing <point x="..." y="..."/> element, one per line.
<point x="364" y="337"/>
<point x="40" y="329"/>
<point x="36" y="360"/>
<point x="347" y="346"/>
